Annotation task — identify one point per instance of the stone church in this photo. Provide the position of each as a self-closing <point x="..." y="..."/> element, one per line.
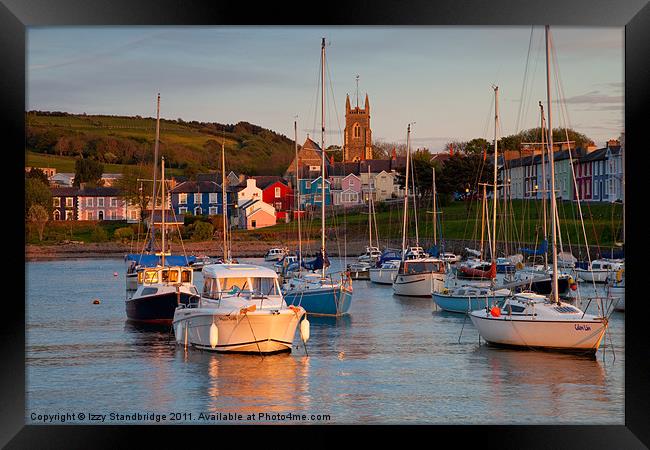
<point x="357" y="145"/>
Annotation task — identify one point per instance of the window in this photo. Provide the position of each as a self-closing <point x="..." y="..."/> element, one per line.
<point x="69" y="215"/>
<point x="69" y="202"/>
<point x="197" y="197"/>
<point x="182" y="199"/>
<point x="264" y="286"/>
<point x="57" y="214"/>
<point x="198" y="211"/>
<point x="277" y="192"/>
<point x="233" y="285"/>
<point x="100" y="215"/>
<point x="90" y="215"/>
<point x="182" y="210"/>
<point x="213" y="197"/>
<point x="186" y="276"/>
<point x="100" y="201"/>
<point x="254" y="223"/>
<point x="356" y="130"/>
<point x="213" y="210"/>
<point x="113" y="201"/>
<point x="89" y="201"/>
<point x="278" y="206"/>
<point x="113" y="215"/>
<point x="132" y="215"/>
<point x="150" y="276"/>
<point x="56" y="201"/>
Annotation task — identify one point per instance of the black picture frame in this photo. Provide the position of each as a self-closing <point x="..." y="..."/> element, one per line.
<point x="634" y="15"/>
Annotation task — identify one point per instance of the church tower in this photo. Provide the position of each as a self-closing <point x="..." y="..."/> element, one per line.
<point x="358" y="137"/>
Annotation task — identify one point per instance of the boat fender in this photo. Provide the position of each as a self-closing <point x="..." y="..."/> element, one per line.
<point x="445" y="291"/>
<point x="214" y="335"/>
<point x="304" y="330"/>
<point x="619" y="275"/>
<point x="519" y="266"/>
<point x="495" y="311"/>
<point x="250" y="308"/>
<point x="573" y="286"/>
<point x="572" y="281"/>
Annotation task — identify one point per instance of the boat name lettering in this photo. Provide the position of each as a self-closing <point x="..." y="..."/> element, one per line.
<point x="582" y="327"/>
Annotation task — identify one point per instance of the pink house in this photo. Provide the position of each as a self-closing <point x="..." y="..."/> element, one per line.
<point x="350" y="192"/>
<point x="100" y="203"/>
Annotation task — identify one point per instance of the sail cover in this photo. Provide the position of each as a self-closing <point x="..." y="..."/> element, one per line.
<point x="317" y="263"/>
<point x="541" y="250"/>
<point x="154" y="260"/>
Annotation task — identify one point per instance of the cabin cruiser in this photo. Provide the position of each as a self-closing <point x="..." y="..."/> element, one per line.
<point x="286" y="262"/>
<point x="600" y="270"/>
<point x="136" y="261"/>
<point x="534" y="321"/>
<point x="372" y="255"/>
<point x="449" y="258"/>
<point x="200" y="262"/>
<point x="419" y="277"/>
<point x="385" y="273"/>
<point x="159" y="291"/>
<point x="360" y="270"/>
<point x="241" y="309"/>
<point x="275" y="254"/>
<point x="415" y="253"/>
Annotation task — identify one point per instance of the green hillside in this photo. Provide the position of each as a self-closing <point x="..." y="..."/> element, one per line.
<point x="56" y="139"/>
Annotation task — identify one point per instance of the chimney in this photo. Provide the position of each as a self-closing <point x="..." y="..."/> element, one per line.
<point x="241" y="177"/>
<point x="393" y="154"/>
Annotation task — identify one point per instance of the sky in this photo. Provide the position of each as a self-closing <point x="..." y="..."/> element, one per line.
<point x="439" y="77"/>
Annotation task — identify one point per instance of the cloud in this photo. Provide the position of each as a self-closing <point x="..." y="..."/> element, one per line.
<point x="594" y="97"/>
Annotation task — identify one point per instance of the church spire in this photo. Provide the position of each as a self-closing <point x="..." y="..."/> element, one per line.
<point x="347" y="102"/>
<point x="367" y="105"/>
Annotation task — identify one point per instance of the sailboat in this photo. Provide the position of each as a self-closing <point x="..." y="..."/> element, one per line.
<point x="318" y="292"/>
<point x="467" y="297"/>
<point x="161" y="281"/>
<point x="360" y="270"/>
<point x="418" y="274"/>
<point x="241" y="308"/>
<point x="528" y="320"/>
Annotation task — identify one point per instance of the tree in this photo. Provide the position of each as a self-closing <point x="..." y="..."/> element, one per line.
<point x="135" y="191"/>
<point x="37" y="193"/>
<point x="123" y="234"/>
<point x="384" y="150"/>
<point x="202" y="231"/>
<point x="38" y="217"/>
<point x="87" y="171"/>
<point x="38" y="174"/>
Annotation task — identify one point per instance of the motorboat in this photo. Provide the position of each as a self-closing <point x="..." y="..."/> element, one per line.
<point x="200" y="262"/>
<point x="419" y="277"/>
<point x="241" y="309"/>
<point x="600" y="270"/>
<point x="449" y="258"/>
<point x="385" y="273"/>
<point x="372" y="255"/>
<point x="160" y="291"/>
<point x="415" y="253"/>
<point x="275" y="254"/>
<point x="322" y="296"/>
<point x="282" y="265"/>
<point x="360" y="270"/>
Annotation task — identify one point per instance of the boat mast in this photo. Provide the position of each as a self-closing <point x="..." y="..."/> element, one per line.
<point x="322" y="143"/>
<point x="406" y="190"/>
<point x="162" y="213"/>
<point x="483" y="218"/>
<point x="496" y="142"/>
<point x="369" y="210"/>
<point x="435" y="221"/>
<point x="295" y="132"/>
<point x="415" y="208"/>
<point x="544" y="187"/>
<point x="555" y="293"/>
<point x="224" y="199"/>
<point x="155" y="171"/>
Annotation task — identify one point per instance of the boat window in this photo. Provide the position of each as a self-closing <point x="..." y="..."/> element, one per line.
<point x="186" y="276"/>
<point x="420" y="267"/>
<point x="150" y="276"/>
<point x="210" y="288"/>
<point x="566" y="309"/>
<point x="233" y="285"/>
<point x="595" y="266"/>
<point x="517" y="309"/>
<point x="149" y="291"/>
<point x="173" y="276"/>
<point x="140" y="277"/>
<point x="264" y="286"/>
<point x="164" y="276"/>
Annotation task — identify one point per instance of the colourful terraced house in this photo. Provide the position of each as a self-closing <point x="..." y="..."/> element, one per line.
<point x="198" y="198"/>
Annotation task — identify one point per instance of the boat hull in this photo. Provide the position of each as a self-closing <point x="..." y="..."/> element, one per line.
<point x="155" y="309"/>
<point x="361" y="274"/>
<point x="260" y="331"/>
<point x="618" y="292"/>
<point x="382" y="276"/>
<point x="565" y="336"/>
<point x="595" y="276"/>
<point x="464" y="304"/>
<point x="418" y="284"/>
<point x="322" y="302"/>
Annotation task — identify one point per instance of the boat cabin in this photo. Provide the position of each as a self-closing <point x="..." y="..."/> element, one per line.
<point x="603" y="264"/>
<point x="167" y="274"/>
<point x="239" y="280"/>
<point x="422" y="266"/>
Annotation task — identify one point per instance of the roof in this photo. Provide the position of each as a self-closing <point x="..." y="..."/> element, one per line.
<point x="64" y="191"/>
<point x="237" y="271"/>
<point x="67" y="191"/>
<point x="248" y="203"/>
<point x="196" y="186"/>
<point x="264" y="181"/>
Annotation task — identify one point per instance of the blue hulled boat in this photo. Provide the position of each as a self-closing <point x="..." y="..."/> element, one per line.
<point x="468" y="298"/>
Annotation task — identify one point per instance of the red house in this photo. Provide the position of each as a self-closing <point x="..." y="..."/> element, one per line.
<point x="277" y="193"/>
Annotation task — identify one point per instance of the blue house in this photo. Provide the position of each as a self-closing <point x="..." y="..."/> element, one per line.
<point x="198" y="198"/>
<point x="311" y="193"/>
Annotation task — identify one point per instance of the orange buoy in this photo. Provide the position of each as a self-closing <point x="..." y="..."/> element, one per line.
<point x="495" y="311"/>
<point x="96" y="301"/>
<point x="574" y="287"/>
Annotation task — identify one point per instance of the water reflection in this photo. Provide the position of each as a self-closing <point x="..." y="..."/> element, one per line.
<point x="249" y="384"/>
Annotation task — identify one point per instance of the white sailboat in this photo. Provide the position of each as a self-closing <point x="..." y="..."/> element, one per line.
<point x="529" y="320"/>
<point x="418" y="275"/>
